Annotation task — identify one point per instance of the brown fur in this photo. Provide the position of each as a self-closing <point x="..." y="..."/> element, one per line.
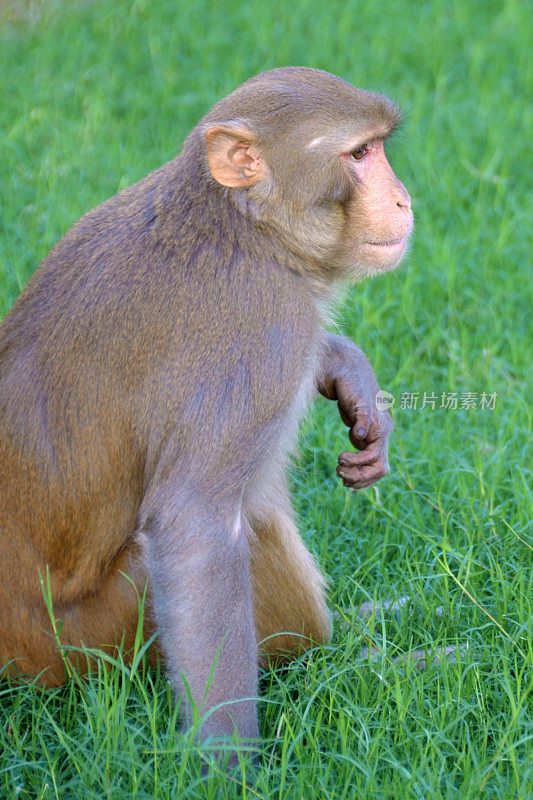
<point x="152" y="375"/>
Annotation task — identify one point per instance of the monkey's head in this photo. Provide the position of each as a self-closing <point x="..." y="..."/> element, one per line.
<point x="302" y="152"/>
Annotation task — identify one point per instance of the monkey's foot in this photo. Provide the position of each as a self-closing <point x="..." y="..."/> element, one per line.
<point x="378" y="608"/>
<point x="420" y="659"/>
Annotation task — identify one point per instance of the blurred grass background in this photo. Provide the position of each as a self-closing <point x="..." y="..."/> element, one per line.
<point x="96" y="94"/>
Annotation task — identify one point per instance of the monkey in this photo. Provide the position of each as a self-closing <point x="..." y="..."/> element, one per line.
<point x="153" y="374"/>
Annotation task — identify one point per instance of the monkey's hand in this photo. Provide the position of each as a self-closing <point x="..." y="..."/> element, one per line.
<point x="345" y="375"/>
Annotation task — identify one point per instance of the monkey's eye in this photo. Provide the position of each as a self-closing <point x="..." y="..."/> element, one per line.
<point x="360" y="152"/>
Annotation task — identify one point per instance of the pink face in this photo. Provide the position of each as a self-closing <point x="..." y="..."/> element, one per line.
<point x="380" y="217"/>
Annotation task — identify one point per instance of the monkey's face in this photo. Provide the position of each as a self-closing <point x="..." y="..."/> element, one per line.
<point x="338" y="203"/>
<point x="378" y="214"/>
<point x="304" y="153"/>
<point x="343" y="208"/>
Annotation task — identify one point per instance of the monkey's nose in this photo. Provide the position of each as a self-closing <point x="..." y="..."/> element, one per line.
<point x="405" y="200"/>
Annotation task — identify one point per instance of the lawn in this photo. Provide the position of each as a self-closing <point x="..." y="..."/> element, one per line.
<point x="97" y="94"/>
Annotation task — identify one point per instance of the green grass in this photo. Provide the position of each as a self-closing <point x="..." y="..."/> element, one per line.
<point x="95" y="95"/>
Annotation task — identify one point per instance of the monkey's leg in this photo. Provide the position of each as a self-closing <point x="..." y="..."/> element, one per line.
<point x="198" y="563"/>
<point x="289" y="604"/>
<point x="103" y="618"/>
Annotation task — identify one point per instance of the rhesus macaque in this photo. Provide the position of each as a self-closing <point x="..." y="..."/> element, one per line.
<point x="152" y="377"/>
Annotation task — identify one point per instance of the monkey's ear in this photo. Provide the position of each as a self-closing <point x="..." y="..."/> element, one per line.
<point x="233" y="157"/>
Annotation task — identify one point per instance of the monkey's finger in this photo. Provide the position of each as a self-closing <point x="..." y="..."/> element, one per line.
<point x="374" y="432"/>
<point x="356" y="441"/>
<point x="356" y="416"/>
<point x="369" y="455"/>
<point x="376" y="426"/>
<point x="361" y="477"/>
<point x="357" y="476"/>
<point x="361" y="484"/>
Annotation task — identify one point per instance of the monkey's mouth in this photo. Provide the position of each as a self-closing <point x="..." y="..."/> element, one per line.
<point x="390" y="243"/>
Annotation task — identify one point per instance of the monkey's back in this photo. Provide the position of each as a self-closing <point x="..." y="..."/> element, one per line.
<point x="138" y="327"/>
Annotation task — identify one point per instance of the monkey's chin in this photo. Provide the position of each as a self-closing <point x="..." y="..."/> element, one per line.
<point x="370" y="263"/>
<point x="376" y="258"/>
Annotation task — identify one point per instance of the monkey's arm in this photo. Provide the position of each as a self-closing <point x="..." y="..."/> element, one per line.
<point x="345" y="375"/>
